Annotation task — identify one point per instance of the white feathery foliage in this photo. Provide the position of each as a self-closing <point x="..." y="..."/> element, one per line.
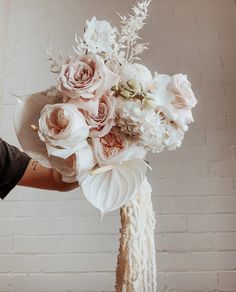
<point x="130" y="26"/>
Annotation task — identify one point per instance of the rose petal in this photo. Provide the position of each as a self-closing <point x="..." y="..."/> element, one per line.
<point x="161" y="97"/>
<point x="64" y="153"/>
<point x="182" y="117"/>
<point x="90" y="106"/>
<point x="110" y="78"/>
<point x="85" y="165"/>
<point x="80" y="168"/>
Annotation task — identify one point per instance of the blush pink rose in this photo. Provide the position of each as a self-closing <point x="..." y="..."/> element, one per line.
<point x="101" y="124"/>
<point x="84" y="79"/>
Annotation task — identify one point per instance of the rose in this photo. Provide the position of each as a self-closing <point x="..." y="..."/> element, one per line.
<point x="113" y="143"/>
<point x="115" y="148"/>
<point x="102" y="123"/>
<point x="84" y="79"/>
<point x="63" y="129"/>
<point x="181" y="87"/>
<point x="179" y="109"/>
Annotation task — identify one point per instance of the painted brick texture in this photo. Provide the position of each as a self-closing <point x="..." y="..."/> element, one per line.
<point x="55" y="242"/>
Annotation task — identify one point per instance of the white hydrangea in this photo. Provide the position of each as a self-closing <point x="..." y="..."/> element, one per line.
<point x="151" y="130"/>
<point x="99" y="36"/>
<point x="174" y="137"/>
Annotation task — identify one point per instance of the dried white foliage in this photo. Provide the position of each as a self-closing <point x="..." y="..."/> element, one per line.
<point x="56" y="63"/>
<point x="116" y="46"/>
<point x="130" y="26"/>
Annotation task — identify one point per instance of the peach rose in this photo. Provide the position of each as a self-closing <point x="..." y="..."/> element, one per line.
<point x="63" y="129"/>
<point x="115" y="148"/>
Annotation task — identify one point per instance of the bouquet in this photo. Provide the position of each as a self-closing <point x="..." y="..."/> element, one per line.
<point x="105" y="112"/>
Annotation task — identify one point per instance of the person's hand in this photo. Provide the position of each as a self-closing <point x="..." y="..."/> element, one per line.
<point x="37" y="176"/>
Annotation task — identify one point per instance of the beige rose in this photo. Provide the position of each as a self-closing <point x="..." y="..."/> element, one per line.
<point x="84" y="79"/>
<point x="101" y="124"/>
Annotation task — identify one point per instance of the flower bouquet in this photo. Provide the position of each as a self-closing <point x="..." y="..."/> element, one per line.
<point x="106" y="111"/>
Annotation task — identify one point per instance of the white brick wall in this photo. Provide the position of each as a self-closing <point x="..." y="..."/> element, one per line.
<point x="52" y="242"/>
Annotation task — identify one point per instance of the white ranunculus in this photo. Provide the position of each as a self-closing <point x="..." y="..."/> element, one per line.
<point x="137" y="72"/>
<point x="63" y="129"/>
<point x="99" y="36"/>
<point x="181" y="88"/>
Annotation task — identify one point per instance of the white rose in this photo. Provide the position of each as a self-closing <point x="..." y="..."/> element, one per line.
<point x="181" y="88"/>
<point x="63" y="129"/>
<point x="179" y="109"/>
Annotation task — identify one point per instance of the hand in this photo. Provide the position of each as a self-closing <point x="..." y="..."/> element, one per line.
<point x="38" y="176"/>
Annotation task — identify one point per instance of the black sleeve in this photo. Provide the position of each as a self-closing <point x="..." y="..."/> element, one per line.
<point x="13" y="164"/>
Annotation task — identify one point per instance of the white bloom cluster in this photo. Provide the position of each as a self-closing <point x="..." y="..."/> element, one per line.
<point x="99" y="36"/>
<point x="150" y="129"/>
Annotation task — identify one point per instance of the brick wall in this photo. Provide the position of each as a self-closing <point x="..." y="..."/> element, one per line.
<point x="53" y="242"/>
